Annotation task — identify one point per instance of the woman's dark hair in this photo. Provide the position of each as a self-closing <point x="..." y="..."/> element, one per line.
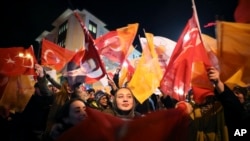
<point x="64" y="112"/>
<point x="242" y="90"/>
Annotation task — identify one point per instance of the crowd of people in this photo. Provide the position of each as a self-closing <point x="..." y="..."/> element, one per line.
<point x="60" y="112"/>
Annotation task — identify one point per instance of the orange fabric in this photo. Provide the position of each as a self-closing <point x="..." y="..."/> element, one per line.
<point x="234" y="52"/>
<point x="54" y="56"/>
<point x="16" y="61"/>
<point x="17" y="92"/>
<point x="115" y="44"/>
<point x="148" y="73"/>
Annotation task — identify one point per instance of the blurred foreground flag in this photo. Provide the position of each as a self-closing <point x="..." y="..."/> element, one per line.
<point x="17" y="92"/>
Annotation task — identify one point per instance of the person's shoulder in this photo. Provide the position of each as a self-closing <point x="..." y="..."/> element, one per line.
<point x="138" y="114"/>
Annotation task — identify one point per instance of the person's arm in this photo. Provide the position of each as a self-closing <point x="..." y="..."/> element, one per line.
<point x="226" y="96"/>
<point x="42" y="82"/>
<point x="53" y="82"/>
<point x="214" y="76"/>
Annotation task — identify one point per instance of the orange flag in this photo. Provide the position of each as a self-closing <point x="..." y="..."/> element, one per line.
<point x="17" y="60"/>
<point x="234" y="52"/>
<point x="54" y="56"/>
<point x="115" y="45"/>
<point x="187" y="67"/>
<point x="17" y="92"/>
<point x="148" y="73"/>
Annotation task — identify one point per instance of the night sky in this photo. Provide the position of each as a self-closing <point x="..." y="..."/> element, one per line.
<point x="23" y="21"/>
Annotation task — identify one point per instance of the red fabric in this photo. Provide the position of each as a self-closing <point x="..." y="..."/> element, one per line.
<point x="179" y="77"/>
<point x="241" y="13"/>
<point x="109" y="45"/>
<point x="163" y="125"/>
<point x="16" y="61"/>
<point x="115" y="45"/>
<point x="54" y="56"/>
<point x="91" y="57"/>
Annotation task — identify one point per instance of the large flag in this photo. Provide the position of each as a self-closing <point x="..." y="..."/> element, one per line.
<point x="89" y="65"/>
<point x="54" y="56"/>
<point x="187" y="66"/>
<point x="162" y="125"/>
<point x="148" y="73"/>
<point x="234" y="52"/>
<point x="115" y="45"/>
<point x="17" y="92"/>
<point x="17" y="60"/>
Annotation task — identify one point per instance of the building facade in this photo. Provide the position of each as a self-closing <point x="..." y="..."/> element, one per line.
<point x="68" y="33"/>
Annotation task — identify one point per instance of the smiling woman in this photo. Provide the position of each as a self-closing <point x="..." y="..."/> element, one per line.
<point x="124" y="104"/>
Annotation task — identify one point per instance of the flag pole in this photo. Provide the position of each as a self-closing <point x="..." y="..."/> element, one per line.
<point x="196" y="15"/>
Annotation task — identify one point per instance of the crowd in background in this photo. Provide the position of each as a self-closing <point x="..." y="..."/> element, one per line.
<point x="54" y="108"/>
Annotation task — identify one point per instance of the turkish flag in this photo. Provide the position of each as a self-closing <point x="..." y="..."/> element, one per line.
<point x="115" y="45"/>
<point x="55" y="56"/>
<point x="90" y="63"/>
<point x="187" y="66"/>
<point x="17" y="60"/>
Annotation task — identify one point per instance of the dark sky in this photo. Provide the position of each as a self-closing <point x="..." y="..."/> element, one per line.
<point x="23" y="20"/>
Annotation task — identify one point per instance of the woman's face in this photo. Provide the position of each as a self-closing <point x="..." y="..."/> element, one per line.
<point x="124" y="99"/>
<point x="77" y="112"/>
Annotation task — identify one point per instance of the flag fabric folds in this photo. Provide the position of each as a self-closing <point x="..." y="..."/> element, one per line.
<point x="55" y="56"/>
<point x="159" y="126"/>
<point x="16" y="61"/>
<point x="3" y="82"/>
<point x="17" y="92"/>
<point x="148" y="73"/>
<point x="164" y="48"/>
<point x="234" y="52"/>
<point x="187" y="66"/>
<point x="90" y="62"/>
<point x="115" y="45"/>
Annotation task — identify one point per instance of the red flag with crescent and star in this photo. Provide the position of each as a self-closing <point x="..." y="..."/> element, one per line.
<point x="17" y="61"/>
<point x="55" y="56"/>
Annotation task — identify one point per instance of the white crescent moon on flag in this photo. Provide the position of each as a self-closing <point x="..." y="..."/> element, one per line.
<point x="27" y="57"/>
<point x="114" y="41"/>
<point x="50" y="51"/>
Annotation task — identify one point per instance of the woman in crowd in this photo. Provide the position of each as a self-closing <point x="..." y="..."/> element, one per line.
<point x="72" y="113"/>
<point x="103" y="102"/>
<point x="124" y="104"/>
